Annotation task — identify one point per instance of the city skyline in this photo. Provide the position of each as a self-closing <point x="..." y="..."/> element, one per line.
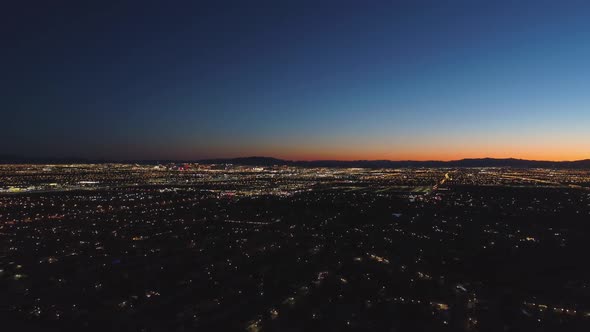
<point x="337" y="80"/>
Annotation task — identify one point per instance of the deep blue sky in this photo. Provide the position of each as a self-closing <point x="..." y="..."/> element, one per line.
<point x="344" y="79"/>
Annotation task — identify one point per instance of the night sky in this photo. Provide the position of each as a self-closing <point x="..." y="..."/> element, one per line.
<point x="295" y="79"/>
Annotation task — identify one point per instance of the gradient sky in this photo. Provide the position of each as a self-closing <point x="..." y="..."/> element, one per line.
<point x="295" y="79"/>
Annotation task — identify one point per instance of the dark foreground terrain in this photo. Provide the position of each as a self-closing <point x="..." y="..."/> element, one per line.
<point x="223" y="248"/>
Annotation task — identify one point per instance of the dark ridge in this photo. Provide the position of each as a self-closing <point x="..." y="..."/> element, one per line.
<point x="269" y="161"/>
<point x="473" y="162"/>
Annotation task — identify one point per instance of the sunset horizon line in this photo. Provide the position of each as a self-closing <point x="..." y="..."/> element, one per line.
<point x="386" y="159"/>
<point x="7" y="159"/>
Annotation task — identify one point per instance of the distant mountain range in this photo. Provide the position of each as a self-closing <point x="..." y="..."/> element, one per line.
<point x="268" y="161"/>
<point x="479" y="162"/>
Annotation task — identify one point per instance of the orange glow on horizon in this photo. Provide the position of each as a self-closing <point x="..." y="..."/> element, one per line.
<point x="425" y="156"/>
<point x="422" y="158"/>
<point x="545" y="153"/>
<point x="417" y="151"/>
